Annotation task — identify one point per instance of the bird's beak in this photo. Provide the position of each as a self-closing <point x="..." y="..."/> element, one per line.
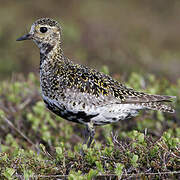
<point x="25" y="37"/>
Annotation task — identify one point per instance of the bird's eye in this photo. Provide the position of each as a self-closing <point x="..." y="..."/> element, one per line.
<point x="43" y="29"/>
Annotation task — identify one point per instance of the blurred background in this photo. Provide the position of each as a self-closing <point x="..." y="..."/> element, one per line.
<point x="127" y="36"/>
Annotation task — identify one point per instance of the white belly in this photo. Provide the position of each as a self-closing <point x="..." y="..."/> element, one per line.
<point x="115" y="112"/>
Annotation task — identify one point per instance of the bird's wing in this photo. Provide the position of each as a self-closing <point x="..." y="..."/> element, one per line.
<point x="96" y="84"/>
<point x="145" y="98"/>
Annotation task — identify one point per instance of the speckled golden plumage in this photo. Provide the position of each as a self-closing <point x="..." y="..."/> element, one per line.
<point x="81" y="94"/>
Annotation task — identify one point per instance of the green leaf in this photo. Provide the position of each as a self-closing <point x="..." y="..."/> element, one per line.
<point x="134" y="160"/>
<point x="119" y="169"/>
<point x="92" y="173"/>
<point x="141" y="138"/>
<point x="8" y="173"/>
<point x="105" y="69"/>
<point x="59" y="152"/>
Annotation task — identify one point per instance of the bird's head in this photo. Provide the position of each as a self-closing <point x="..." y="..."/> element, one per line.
<point x="45" y="32"/>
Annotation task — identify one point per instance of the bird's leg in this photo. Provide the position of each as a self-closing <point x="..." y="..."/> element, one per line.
<point x="86" y="135"/>
<point x="89" y="135"/>
<point x="89" y="132"/>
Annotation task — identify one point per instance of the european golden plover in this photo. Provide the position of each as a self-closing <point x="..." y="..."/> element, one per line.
<point x="81" y="94"/>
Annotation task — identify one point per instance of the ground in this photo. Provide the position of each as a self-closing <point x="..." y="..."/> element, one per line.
<point x="35" y="142"/>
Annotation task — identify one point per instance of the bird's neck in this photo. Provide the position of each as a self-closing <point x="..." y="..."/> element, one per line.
<point x="49" y="48"/>
<point x="49" y="54"/>
<point x="46" y="48"/>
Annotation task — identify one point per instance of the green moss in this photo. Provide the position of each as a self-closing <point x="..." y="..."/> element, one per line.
<point x="35" y="142"/>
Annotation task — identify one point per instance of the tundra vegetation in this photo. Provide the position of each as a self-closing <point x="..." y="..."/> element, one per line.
<point x="35" y="142"/>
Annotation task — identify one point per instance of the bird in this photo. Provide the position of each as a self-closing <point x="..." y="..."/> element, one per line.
<point x="81" y="94"/>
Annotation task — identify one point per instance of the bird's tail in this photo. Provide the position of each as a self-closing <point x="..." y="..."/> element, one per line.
<point x="160" y="106"/>
<point x="149" y="101"/>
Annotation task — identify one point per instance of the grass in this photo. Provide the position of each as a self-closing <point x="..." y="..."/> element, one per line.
<point x="36" y="143"/>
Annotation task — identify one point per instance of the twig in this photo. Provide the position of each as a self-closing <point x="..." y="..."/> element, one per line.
<point x="115" y="140"/>
<point x="25" y="137"/>
<point x="108" y="175"/>
<point x="17" y="130"/>
<point x="24" y="104"/>
<point x="168" y="151"/>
